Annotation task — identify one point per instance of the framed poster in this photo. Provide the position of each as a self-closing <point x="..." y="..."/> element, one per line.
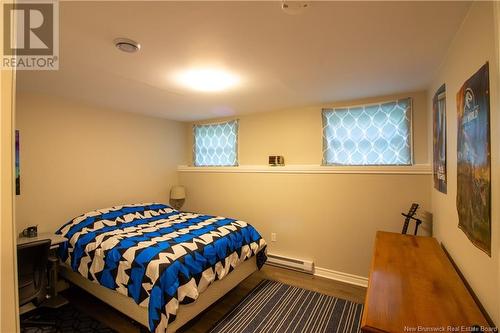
<point x="439" y="139"/>
<point x="473" y="160"/>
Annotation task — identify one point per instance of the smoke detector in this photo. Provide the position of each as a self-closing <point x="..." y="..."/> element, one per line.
<point x="294" y="7"/>
<point x="127" y="45"/>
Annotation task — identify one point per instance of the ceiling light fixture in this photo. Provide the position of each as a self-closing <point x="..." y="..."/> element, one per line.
<point x="207" y="79"/>
<point x="127" y="45"/>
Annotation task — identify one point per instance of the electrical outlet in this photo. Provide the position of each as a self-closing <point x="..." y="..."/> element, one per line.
<point x="273" y="237"/>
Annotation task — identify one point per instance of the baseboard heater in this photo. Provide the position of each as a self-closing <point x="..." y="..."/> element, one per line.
<point x="305" y="266"/>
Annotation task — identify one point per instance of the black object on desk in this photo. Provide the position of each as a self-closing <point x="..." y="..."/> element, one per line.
<point x="30" y="231"/>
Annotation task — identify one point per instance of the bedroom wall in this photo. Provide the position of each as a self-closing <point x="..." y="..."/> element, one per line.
<point x="76" y="158"/>
<point x="473" y="45"/>
<point x="330" y="218"/>
<point x="297" y="133"/>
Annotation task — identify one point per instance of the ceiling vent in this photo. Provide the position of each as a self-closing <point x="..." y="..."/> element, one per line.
<point x="127" y="45"/>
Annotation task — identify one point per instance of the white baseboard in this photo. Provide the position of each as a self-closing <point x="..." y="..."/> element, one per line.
<point x="341" y="276"/>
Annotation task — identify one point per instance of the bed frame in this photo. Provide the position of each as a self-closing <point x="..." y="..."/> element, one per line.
<point x="185" y="313"/>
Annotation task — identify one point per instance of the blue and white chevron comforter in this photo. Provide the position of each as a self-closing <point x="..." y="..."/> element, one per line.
<point x="157" y="255"/>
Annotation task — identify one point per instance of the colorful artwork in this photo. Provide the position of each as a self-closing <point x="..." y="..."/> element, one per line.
<point x="473" y="160"/>
<point x="18" y="170"/>
<point x="439" y="139"/>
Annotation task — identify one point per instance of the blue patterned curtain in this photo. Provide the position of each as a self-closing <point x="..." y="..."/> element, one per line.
<point x="216" y="144"/>
<point x="376" y="134"/>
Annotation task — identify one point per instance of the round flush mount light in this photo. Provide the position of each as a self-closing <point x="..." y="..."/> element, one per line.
<point x="127" y="45"/>
<point x="207" y="79"/>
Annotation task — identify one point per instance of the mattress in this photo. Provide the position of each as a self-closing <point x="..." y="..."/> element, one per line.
<point x="156" y="255"/>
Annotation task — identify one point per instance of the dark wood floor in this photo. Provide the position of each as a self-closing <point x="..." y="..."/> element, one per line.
<point x="202" y="324"/>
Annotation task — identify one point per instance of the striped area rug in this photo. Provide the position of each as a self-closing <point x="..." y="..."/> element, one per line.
<point x="274" y="307"/>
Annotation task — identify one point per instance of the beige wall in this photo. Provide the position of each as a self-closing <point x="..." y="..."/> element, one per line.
<point x="474" y="44"/>
<point x="330" y="218"/>
<point x="76" y="158"/>
<point x="297" y="133"/>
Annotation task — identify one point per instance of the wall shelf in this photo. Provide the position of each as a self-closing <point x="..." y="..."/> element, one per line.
<point x="417" y="169"/>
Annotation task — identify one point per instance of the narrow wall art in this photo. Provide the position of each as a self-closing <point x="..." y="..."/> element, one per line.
<point x="473" y="160"/>
<point x="18" y="169"/>
<point x="439" y="139"/>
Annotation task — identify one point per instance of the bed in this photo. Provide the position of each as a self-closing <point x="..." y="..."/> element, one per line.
<point x="159" y="266"/>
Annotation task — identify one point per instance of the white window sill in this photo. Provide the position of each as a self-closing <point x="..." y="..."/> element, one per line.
<point x="417" y="169"/>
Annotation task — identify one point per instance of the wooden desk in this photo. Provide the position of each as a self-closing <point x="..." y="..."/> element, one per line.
<point x="413" y="284"/>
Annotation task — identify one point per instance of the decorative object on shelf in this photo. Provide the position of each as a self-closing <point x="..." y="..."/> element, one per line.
<point x="276" y="160"/>
<point x="177" y="196"/>
<point x="439" y="139"/>
<point x="474" y="160"/>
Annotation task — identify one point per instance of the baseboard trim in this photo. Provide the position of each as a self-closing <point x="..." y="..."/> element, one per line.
<point x="341" y="276"/>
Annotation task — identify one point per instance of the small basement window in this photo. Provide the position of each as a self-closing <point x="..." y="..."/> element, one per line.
<point x="216" y="144"/>
<point x="375" y="134"/>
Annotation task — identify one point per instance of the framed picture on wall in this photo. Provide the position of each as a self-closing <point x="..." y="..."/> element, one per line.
<point x="473" y="160"/>
<point x="439" y="139"/>
<point x="17" y="166"/>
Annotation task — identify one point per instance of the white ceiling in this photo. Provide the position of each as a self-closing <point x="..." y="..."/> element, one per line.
<point x="332" y="51"/>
